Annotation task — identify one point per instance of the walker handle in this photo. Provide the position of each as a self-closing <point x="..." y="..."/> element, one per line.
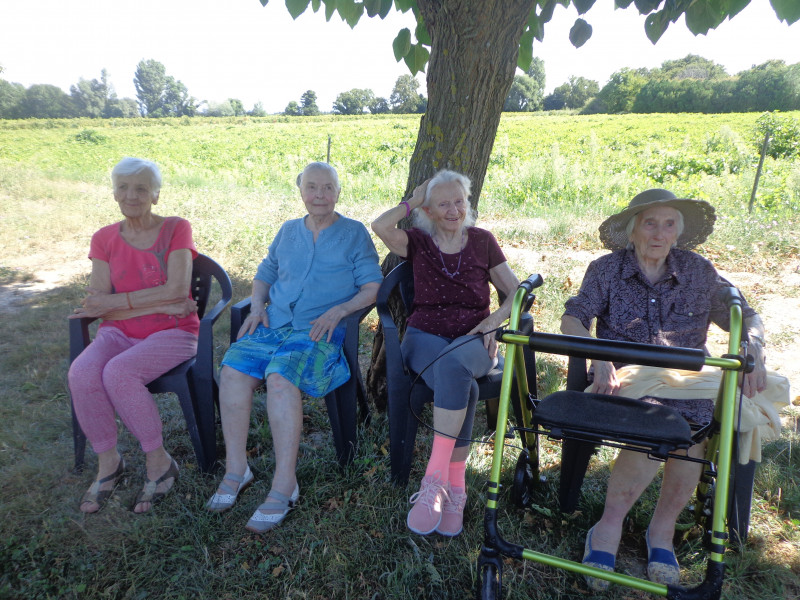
<point x="730" y="296"/>
<point x="532" y="282"/>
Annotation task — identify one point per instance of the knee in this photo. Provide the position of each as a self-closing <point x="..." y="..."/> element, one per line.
<point x="279" y="385"/>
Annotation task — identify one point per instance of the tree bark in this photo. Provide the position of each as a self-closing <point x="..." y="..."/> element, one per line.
<point x="474" y="48"/>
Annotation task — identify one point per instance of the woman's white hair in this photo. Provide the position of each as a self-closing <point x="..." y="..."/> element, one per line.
<point x="134" y="166"/>
<point x="420" y="218"/>
<point x="324" y="167"/>
<point x="632" y="225"/>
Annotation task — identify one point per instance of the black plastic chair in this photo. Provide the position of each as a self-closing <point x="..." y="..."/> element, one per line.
<point x="193" y="381"/>
<point x="347" y="404"/>
<point x="576" y="454"/>
<point x="402" y="398"/>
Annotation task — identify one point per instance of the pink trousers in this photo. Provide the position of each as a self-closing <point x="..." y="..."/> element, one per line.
<point x="111" y="375"/>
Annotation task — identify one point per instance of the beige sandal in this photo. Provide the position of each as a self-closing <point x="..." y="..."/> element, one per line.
<point x="149" y="493"/>
<point x="97" y="496"/>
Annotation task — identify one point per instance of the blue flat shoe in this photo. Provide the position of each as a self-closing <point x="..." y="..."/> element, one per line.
<point x="599" y="559"/>
<point x="662" y="566"/>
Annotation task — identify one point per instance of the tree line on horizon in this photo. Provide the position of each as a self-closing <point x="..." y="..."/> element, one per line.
<point x="689" y="84"/>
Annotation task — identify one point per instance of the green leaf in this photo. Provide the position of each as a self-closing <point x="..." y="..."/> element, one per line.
<point x="386" y="7"/>
<point x="405" y="5"/>
<point x="421" y="33"/>
<point x="622" y="3"/>
<point x="315" y="4"/>
<point x="264" y="2"/>
<point x="701" y="16"/>
<point x="655" y="25"/>
<point x="547" y="11"/>
<point x="372" y="7"/>
<point x="787" y="10"/>
<point x="417" y="58"/>
<point x="646" y="6"/>
<point x="402" y="44"/>
<point x="296" y="7"/>
<point x="580" y="32"/>
<point x="582" y="6"/>
<point x="350" y="11"/>
<point x="330" y="8"/>
<point x="525" y="50"/>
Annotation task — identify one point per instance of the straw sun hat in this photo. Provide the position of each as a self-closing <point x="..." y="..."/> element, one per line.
<point x="698" y="219"/>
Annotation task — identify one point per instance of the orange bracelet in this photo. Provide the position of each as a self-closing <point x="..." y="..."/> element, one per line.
<point x="128" y="298"/>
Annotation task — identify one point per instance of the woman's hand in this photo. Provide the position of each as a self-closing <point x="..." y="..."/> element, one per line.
<point x="487" y="327"/>
<point x="326" y="323"/>
<point x="94" y="305"/>
<point x="605" y="378"/>
<point x="756" y="381"/>
<point x="418" y="195"/>
<point x="181" y="309"/>
<point x="256" y="317"/>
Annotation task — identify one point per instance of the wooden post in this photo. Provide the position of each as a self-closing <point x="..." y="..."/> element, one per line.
<point x="329" y="149"/>
<point x="758" y="170"/>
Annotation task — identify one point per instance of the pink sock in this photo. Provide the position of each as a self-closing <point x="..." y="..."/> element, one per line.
<point x="458" y="472"/>
<point x="440" y="457"/>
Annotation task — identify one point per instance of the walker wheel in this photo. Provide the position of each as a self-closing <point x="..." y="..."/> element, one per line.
<point x="522" y="488"/>
<point x="489" y="584"/>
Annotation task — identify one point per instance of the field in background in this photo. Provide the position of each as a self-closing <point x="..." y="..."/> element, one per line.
<point x="551" y="180"/>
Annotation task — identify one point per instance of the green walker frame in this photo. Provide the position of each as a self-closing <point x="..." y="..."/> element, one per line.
<point x="718" y="457"/>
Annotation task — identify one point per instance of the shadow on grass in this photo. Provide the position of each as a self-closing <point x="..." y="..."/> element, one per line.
<point x="346" y="539"/>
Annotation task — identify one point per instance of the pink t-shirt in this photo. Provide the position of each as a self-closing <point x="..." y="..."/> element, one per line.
<point x="451" y="306"/>
<point x="134" y="269"/>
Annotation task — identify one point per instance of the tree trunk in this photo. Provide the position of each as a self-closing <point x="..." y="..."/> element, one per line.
<point x="474" y="48"/>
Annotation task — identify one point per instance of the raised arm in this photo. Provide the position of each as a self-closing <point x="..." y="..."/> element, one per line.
<point x="385" y="226"/>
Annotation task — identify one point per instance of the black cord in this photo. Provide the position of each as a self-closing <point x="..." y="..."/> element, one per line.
<point x="431" y="427"/>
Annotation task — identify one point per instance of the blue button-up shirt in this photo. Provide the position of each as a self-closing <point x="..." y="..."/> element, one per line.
<point x="308" y="278"/>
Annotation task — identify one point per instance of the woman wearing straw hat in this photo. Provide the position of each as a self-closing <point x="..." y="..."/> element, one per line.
<point x="653" y="289"/>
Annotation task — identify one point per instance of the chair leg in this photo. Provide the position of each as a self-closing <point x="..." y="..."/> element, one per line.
<point x="189" y="412"/>
<point x="575" y="458"/>
<point x="204" y="393"/>
<point x="342" y="413"/>
<point x="78" y="441"/>
<point x="741" y="497"/>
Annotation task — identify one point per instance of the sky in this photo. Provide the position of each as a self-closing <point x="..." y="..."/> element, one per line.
<point x="238" y="49"/>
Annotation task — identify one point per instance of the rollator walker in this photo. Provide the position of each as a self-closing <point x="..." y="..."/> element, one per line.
<point x="596" y="419"/>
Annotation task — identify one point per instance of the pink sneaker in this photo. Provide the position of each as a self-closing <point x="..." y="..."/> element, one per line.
<point x="426" y="514"/>
<point x="452" y="522"/>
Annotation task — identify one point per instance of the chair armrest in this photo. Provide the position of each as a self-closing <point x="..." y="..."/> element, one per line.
<point x="239" y="312"/>
<point x="79" y="336"/>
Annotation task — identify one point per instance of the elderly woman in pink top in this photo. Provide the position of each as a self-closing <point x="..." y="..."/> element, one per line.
<point x="140" y="287"/>
<point x="450" y="329"/>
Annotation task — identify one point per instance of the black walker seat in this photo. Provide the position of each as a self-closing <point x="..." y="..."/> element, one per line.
<point x="585" y="420"/>
<point x="194" y="381"/>
<point x="598" y="418"/>
<point x="406" y="398"/>
<point x="347" y="405"/>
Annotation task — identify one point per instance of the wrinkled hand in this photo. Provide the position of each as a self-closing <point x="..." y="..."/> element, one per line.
<point x="418" y="196"/>
<point x="94" y="305"/>
<point x="489" y="339"/>
<point x="326" y="323"/>
<point x="605" y="378"/>
<point x="755" y="382"/>
<point x="181" y="309"/>
<point x="252" y="321"/>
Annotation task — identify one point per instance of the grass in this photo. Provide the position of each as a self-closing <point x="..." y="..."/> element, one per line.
<point x="551" y="181"/>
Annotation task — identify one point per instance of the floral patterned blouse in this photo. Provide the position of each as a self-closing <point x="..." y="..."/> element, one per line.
<point x="675" y="311"/>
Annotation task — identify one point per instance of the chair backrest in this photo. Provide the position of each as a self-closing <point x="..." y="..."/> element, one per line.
<point x="402" y="279"/>
<point x="204" y="271"/>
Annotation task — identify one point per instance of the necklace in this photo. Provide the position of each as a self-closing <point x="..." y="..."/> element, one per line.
<point x="441" y="258"/>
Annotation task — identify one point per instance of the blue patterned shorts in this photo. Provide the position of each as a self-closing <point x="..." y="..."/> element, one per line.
<point x="315" y="368"/>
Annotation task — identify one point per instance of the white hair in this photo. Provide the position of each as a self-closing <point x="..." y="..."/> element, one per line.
<point x="134" y="166"/>
<point x="323" y="166"/>
<point x="420" y="218"/>
<point x="632" y="225"/>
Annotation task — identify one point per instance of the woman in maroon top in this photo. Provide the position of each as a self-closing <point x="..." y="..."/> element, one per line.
<point x="653" y="289"/>
<point x="449" y="335"/>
